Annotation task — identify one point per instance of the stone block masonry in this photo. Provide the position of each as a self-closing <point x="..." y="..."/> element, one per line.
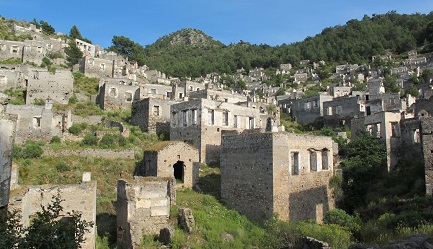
<point x="78" y="197"/>
<point x="143" y="207"/>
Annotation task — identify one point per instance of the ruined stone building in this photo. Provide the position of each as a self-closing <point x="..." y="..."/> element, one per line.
<point x="142" y="207"/>
<point x="277" y="173"/>
<point x="152" y="115"/>
<point x="307" y="110"/>
<point x="30" y="50"/>
<point x="340" y="111"/>
<point x="201" y="121"/>
<point x="39" y="122"/>
<point x="76" y="197"/>
<point x="217" y="95"/>
<point x="172" y="159"/>
<point x="42" y="85"/>
<point x="7" y="138"/>
<point x="13" y="76"/>
<point x="96" y="67"/>
<point x="115" y="94"/>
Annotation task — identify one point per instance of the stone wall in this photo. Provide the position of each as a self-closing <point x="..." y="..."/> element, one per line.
<point x="152" y="115"/>
<point x="114" y="96"/>
<point x="143" y="207"/>
<point x="43" y="84"/>
<point x="79" y="197"/>
<point x="427" y="150"/>
<point x="99" y="153"/>
<point x="340" y="111"/>
<point x="96" y="67"/>
<point x="7" y="136"/>
<point x="283" y="173"/>
<point x="12" y="76"/>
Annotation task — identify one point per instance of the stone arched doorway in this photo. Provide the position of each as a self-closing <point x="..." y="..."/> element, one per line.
<point x="178" y="170"/>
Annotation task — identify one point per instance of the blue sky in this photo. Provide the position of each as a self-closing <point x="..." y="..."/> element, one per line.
<point x="271" y="22"/>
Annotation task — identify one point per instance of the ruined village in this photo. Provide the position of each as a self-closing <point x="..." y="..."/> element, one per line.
<point x="266" y="168"/>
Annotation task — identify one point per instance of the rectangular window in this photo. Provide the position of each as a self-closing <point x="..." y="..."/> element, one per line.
<point x="313" y="161"/>
<point x="194" y="116"/>
<point x="325" y="163"/>
<point x="225" y="118"/>
<point x="294" y="157"/>
<point x="173" y="119"/>
<point x="210" y="117"/>
<point x="394" y="129"/>
<point x="185" y="118"/>
<point x="156" y="111"/>
<point x="251" y="123"/>
<point x="37" y="122"/>
<point x="235" y="121"/>
<point x="153" y="91"/>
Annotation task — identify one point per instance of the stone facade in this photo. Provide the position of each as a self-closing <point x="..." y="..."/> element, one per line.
<point x="13" y="76"/>
<point x="340" y="111"/>
<point x="79" y="197"/>
<point x="7" y="137"/>
<point x="39" y="122"/>
<point x="307" y="110"/>
<point x="152" y="115"/>
<point x="96" y="67"/>
<point x="277" y="173"/>
<point x="115" y="94"/>
<point x="143" y="207"/>
<point x="173" y="159"/>
<point x="201" y="121"/>
<point x="218" y="95"/>
<point x="43" y="84"/>
<point x="427" y="152"/>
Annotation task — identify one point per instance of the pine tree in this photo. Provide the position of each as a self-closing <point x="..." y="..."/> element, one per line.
<point x="73" y="53"/>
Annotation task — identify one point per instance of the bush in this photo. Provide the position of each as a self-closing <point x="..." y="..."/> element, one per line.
<point x="75" y="129"/>
<point x="30" y="149"/>
<point x="55" y="139"/>
<point x="39" y="102"/>
<point x="333" y="234"/>
<point x="62" y="167"/>
<point x="340" y="217"/>
<point x="107" y="141"/>
<point x="73" y="99"/>
<point x="89" y="139"/>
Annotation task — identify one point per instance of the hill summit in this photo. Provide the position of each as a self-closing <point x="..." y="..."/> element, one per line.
<point x="187" y="36"/>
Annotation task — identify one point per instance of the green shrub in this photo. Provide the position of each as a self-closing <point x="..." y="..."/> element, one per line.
<point x="75" y="129"/>
<point x="107" y="141"/>
<point x="55" y="139"/>
<point x="334" y="235"/>
<point x="30" y="149"/>
<point x="341" y="218"/>
<point x="122" y="141"/>
<point x="73" y="99"/>
<point x="39" y="102"/>
<point x="89" y="139"/>
<point x="62" y="167"/>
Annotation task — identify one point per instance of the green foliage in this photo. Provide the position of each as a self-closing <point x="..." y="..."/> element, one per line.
<point x="17" y="96"/>
<point x="333" y="234"/>
<point x="38" y="102"/>
<point x="55" y="139"/>
<point x="107" y="141"/>
<point x="46" y="28"/>
<point x="54" y="55"/>
<point x="46" y="230"/>
<point x="74" y="33"/>
<point x="413" y="91"/>
<point x="279" y="234"/>
<point x="90" y="140"/>
<point x="73" y="53"/>
<point x="364" y="163"/>
<point x="124" y="46"/>
<point x="31" y="149"/>
<point x="75" y="129"/>
<point x="62" y="167"/>
<point x="11" y="61"/>
<point x="88" y="108"/>
<point x="88" y="85"/>
<point x="390" y="84"/>
<point x="310" y="93"/>
<point x="341" y="218"/>
<point x="73" y="99"/>
<point x="46" y="62"/>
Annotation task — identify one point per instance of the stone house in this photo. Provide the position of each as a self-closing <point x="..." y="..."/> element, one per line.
<point x="155" y="76"/>
<point x="76" y="197"/>
<point x="142" y="207"/>
<point x="172" y="159"/>
<point x="88" y="49"/>
<point x="118" y="93"/>
<point x="339" y="90"/>
<point x="152" y="115"/>
<point x="300" y="77"/>
<point x="340" y="111"/>
<point x="12" y="76"/>
<point x="277" y="173"/>
<point x="11" y="49"/>
<point x="389" y="102"/>
<point x="39" y="122"/>
<point x="96" y="67"/>
<point x="307" y="110"/>
<point x="375" y="86"/>
<point x="201" y="121"/>
<point x="218" y="95"/>
<point x="42" y="85"/>
<point x="7" y="138"/>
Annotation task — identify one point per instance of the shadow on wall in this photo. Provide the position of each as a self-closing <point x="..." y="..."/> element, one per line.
<point x="213" y="155"/>
<point x="309" y="204"/>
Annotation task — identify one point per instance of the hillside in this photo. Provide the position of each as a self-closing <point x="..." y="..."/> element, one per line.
<point x="186" y="37"/>
<point x="354" y="42"/>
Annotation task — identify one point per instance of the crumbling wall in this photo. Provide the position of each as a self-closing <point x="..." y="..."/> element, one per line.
<point x="7" y="136"/>
<point x="143" y="207"/>
<point x="427" y="150"/>
<point x="79" y="197"/>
